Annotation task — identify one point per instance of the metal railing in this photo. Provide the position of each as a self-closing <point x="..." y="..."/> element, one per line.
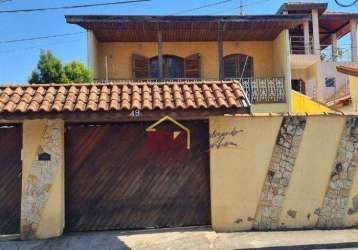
<point x="298" y="46"/>
<point x="264" y="90"/>
<point x="343" y="53"/>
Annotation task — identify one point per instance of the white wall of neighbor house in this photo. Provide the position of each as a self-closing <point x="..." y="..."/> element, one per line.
<point x="92" y="53"/>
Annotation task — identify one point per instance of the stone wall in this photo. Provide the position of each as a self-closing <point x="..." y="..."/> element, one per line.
<point x="300" y="174"/>
<point x="342" y="176"/>
<point x="43" y="165"/>
<point x="279" y="173"/>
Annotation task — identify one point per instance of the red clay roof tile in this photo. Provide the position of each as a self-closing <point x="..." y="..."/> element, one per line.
<point x="115" y="97"/>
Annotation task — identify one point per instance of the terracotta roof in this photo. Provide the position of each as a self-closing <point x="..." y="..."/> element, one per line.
<point x="122" y="96"/>
<point x="302" y="7"/>
<point x="348" y="70"/>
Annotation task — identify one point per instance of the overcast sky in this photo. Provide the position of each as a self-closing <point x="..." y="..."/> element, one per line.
<point x="17" y="60"/>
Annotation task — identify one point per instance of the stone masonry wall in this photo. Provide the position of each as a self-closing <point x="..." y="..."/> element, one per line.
<point x="39" y="182"/>
<point x="336" y="199"/>
<point x="279" y="173"/>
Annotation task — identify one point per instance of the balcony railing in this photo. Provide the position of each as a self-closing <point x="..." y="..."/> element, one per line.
<point x="343" y="52"/>
<point x="258" y="90"/>
<point x="298" y="46"/>
<point x="264" y="90"/>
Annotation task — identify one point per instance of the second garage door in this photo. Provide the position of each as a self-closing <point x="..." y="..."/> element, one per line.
<point x="118" y="177"/>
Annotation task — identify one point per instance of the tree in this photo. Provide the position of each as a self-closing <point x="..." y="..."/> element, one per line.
<point x="50" y="70"/>
<point x="77" y="72"/>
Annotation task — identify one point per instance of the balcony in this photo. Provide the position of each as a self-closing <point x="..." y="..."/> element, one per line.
<point x="264" y="90"/>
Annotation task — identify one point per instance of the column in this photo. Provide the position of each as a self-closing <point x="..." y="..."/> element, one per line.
<point x="43" y="192"/>
<point x="306" y="35"/>
<point x="334" y="47"/>
<point x="92" y="53"/>
<point x="160" y="55"/>
<point x="220" y="51"/>
<point x="315" y="27"/>
<point x="354" y="44"/>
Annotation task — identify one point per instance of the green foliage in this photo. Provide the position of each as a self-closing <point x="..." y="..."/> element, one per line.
<point x="77" y="72"/>
<point x="50" y="70"/>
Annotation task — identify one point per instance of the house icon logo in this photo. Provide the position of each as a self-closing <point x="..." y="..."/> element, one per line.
<point x="159" y="135"/>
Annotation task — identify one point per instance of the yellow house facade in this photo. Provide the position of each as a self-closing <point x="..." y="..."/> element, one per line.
<point x="258" y="59"/>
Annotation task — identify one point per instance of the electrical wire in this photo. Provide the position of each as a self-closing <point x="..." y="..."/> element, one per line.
<point x="245" y="5"/>
<point x="346" y="5"/>
<point x="73" y="6"/>
<point x="40" y="37"/>
<point x="40" y="46"/>
<point x="202" y="7"/>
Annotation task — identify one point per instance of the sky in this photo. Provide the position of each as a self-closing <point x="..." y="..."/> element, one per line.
<point x="17" y="60"/>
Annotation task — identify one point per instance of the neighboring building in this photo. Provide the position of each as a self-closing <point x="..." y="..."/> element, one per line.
<point x="349" y="101"/>
<point x="269" y="54"/>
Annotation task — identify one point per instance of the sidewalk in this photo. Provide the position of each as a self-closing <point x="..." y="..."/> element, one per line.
<point x="194" y="238"/>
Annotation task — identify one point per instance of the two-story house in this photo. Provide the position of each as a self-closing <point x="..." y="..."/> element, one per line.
<point x="268" y="54"/>
<point x="253" y="49"/>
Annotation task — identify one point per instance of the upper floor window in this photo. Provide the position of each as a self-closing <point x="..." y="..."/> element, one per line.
<point x="173" y="67"/>
<point x="238" y="65"/>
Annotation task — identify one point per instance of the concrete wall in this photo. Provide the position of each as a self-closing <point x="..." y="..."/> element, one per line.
<point x="42" y="201"/>
<point x="273" y="172"/>
<point x="304" y="104"/>
<point x="120" y="56"/>
<point x="353" y="87"/>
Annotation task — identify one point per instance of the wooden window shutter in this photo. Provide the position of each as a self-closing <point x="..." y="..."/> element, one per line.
<point x="230" y="67"/>
<point x="140" y="67"/>
<point x="192" y="66"/>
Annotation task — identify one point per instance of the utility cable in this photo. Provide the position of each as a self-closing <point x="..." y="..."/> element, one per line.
<point x="73" y="6"/>
<point x="40" y="37"/>
<point x="202" y="7"/>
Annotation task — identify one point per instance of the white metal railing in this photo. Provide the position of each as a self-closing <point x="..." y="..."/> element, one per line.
<point x="264" y="90"/>
<point x="298" y="46"/>
<point x="343" y="53"/>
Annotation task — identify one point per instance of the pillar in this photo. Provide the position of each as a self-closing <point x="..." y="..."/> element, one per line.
<point x="160" y="55"/>
<point x="354" y="44"/>
<point x="43" y="198"/>
<point x="315" y="27"/>
<point x="306" y="36"/>
<point x="334" y="47"/>
<point x="92" y="54"/>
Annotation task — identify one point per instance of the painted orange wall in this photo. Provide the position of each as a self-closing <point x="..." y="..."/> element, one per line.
<point x="120" y="54"/>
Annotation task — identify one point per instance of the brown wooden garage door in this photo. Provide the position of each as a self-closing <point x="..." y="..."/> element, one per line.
<point x="10" y="179"/>
<point x="121" y="177"/>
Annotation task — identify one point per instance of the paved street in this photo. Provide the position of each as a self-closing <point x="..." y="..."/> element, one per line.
<point x="195" y="238"/>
